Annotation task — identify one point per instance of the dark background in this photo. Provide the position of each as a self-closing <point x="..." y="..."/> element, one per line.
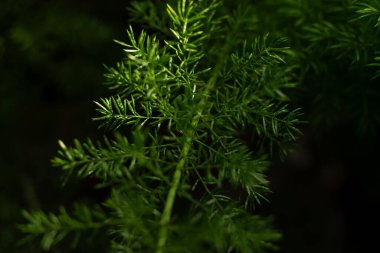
<point x="325" y="195"/>
<point x="51" y="69"/>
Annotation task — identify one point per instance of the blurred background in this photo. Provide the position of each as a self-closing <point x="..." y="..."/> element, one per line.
<point x="51" y="69"/>
<point x="325" y="195"/>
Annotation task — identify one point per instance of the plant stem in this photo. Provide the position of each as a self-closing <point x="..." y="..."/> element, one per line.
<point x="166" y="215"/>
<point x="165" y="219"/>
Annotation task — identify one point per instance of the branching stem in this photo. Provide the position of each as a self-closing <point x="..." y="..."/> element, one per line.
<point x="166" y="215"/>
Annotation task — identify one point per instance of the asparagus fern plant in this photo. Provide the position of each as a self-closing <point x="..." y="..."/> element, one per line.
<point x="197" y="113"/>
<point x="337" y="45"/>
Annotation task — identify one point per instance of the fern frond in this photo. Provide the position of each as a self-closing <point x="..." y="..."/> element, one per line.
<point x="108" y="160"/>
<point x="204" y="114"/>
<point x="369" y="10"/>
<point x="55" y="227"/>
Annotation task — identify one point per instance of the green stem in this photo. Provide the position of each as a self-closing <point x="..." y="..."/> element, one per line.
<point x="165" y="219"/>
<point x="169" y="203"/>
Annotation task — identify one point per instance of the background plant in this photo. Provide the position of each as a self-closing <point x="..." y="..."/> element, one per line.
<point x="335" y="171"/>
<point x="337" y="43"/>
<point x="181" y="172"/>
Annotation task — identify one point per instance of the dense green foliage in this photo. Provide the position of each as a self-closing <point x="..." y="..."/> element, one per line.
<point x="337" y="44"/>
<point x="182" y="175"/>
<point x="200" y="108"/>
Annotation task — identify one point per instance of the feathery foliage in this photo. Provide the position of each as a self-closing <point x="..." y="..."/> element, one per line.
<point x="336" y="45"/>
<point x="197" y="114"/>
